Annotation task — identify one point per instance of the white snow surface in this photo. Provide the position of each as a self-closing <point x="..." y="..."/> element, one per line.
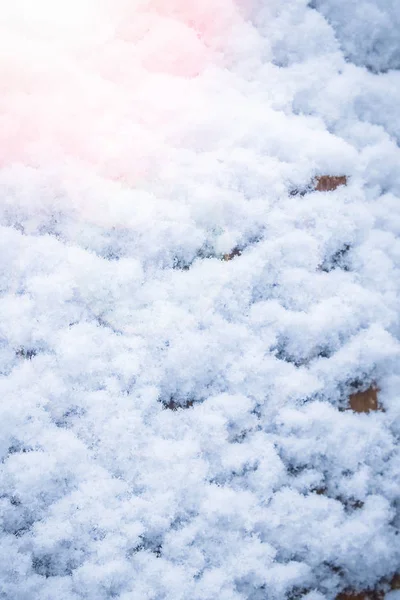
<point x="140" y="141"/>
<point x="368" y="30"/>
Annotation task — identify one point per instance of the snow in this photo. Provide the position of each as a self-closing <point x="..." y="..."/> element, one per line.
<point x="140" y="142"/>
<point x="367" y="30"/>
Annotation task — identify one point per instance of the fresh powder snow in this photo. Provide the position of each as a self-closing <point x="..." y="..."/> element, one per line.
<point x="188" y="309"/>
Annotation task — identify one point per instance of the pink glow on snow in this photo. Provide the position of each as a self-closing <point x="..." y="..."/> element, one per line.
<point x="98" y="81"/>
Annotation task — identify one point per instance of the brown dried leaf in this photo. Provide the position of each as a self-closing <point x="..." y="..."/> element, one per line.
<point x="364" y="402"/>
<point x="328" y="183"/>
<point x="235" y="252"/>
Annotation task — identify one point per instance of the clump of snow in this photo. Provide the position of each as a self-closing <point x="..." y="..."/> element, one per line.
<point x="367" y="30"/>
<point x="140" y="142"/>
